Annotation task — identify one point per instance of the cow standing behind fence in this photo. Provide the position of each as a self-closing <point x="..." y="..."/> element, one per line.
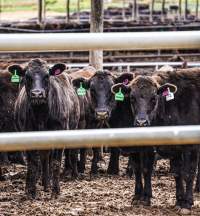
<point x="46" y="102"/>
<point x="169" y="98"/>
<point x="104" y="110"/>
<point x="8" y="95"/>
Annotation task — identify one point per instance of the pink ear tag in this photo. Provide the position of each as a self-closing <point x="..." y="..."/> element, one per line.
<point x="169" y="95"/>
<point x="57" y="72"/>
<point x="125" y="82"/>
<point x="165" y="93"/>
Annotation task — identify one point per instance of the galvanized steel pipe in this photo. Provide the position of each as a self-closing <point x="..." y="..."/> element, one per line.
<point x="147" y="136"/>
<point x="105" y="41"/>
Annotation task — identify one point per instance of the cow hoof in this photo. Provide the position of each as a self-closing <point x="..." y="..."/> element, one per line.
<point x="54" y="196"/>
<point x="145" y="203"/>
<point x="177" y="208"/>
<point x="31" y="196"/>
<point x="185" y="211"/>
<point x="135" y="202"/>
<point x="113" y="172"/>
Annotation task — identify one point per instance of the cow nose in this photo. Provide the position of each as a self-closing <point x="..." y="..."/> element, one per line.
<point x="141" y="122"/>
<point x="102" y="114"/>
<point x="37" y="93"/>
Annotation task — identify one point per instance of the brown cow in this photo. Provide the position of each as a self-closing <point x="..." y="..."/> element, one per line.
<point x="154" y="102"/>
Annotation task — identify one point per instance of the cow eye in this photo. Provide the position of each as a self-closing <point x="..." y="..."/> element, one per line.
<point x="28" y="78"/>
<point x="153" y="100"/>
<point x="46" y="77"/>
<point x="132" y="97"/>
<point x="92" y="91"/>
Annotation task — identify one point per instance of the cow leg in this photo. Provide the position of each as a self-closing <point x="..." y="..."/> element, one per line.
<point x="148" y="162"/>
<point x="113" y="167"/>
<point x="190" y="163"/>
<point x="129" y="168"/>
<point x="95" y="160"/>
<point x="74" y="159"/>
<point x="56" y="164"/>
<point x="82" y="162"/>
<point x="68" y="164"/>
<point x="4" y="158"/>
<point x="17" y="157"/>
<point x="136" y="158"/>
<point x="177" y="167"/>
<point x="44" y="158"/>
<point x="32" y="169"/>
<point x="197" y="186"/>
<point x="1" y="174"/>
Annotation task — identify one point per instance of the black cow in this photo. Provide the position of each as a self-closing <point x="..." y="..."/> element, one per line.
<point x="46" y="102"/>
<point x="8" y="95"/>
<point x="105" y="111"/>
<point x="153" y="103"/>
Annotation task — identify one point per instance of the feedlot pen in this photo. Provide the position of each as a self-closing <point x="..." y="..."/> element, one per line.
<point x="90" y="195"/>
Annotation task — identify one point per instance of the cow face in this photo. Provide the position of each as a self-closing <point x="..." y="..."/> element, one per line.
<point x="37" y="79"/>
<point x="102" y="99"/>
<point x="145" y="94"/>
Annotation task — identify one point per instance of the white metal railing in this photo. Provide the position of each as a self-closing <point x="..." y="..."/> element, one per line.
<point x="127" y="65"/>
<point x="124" y="137"/>
<point x="105" y="41"/>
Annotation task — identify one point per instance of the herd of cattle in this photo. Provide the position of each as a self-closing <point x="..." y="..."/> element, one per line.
<point x="37" y="97"/>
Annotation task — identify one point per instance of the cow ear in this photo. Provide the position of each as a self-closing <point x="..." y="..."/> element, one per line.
<point x="166" y="86"/>
<point x="57" y="69"/>
<point x="17" y="70"/>
<point x="120" y="87"/>
<point x="81" y="81"/>
<point x="124" y="78"/>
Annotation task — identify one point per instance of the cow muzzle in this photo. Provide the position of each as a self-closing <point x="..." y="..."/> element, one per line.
<point x="38" y="96"/>
<point x="102" y="114"/>
<point x="141" y="123"/>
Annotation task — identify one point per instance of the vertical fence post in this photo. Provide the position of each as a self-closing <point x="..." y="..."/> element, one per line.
<point x="40" y="11"/>
<point x="152" y="10"/>
<point x="134" y="10"/>
<point x="180" y="9"/>
<point x="96" y="25"/>
<point x="67" y="10"/>
<point x="78" y="11"/>
<point x="163" y="11"/>
<point x="186" y="9"/>
<point x="197" y="9"/>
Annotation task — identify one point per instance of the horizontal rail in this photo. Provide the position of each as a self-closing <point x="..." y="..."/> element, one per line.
<point x="136" y="64"/>
<point x="124" y="137"/>
<point x="106" y="41"/>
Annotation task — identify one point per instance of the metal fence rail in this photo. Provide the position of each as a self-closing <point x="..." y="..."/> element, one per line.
<point x="105" y="41"/>
<point x="147" y="136"/>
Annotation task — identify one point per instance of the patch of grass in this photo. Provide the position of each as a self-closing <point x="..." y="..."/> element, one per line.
<point x="60" y="5"/>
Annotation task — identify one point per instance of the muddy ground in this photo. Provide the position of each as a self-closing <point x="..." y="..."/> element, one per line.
<point x="103" y="195"/>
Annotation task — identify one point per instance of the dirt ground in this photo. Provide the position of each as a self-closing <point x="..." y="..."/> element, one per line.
<point x="103" y="195"/>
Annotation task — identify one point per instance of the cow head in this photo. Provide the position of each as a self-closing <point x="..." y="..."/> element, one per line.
<point x="36" y="78"/>
<point x="145" y="93"/>
<point x="102" y="99"/>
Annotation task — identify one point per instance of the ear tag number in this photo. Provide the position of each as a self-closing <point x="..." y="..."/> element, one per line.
<point x="119" y="96"/>
<point x="81" y="91"/>
<point x="169" y="95"/>
<point x="15" y="78"/>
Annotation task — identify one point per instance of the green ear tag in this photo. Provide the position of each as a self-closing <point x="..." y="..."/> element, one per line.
<point x="15" y="78"/>
<point x="119" y="96"/>
<point x="81" y="91"/>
